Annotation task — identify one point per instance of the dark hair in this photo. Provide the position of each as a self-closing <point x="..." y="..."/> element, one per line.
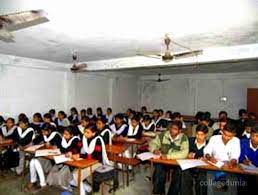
<point x="144" y="108"/>
<point x="205" y="116"/>
<point x="85" y="118"/>
<point x="52" y="111"/>
<point x="69" y="129"/>
<point x="48" y="115"/>
<point x="160" y="110"/>
<point x="62" y="113"/>
<point x="119" y="116"/>
<point x="241" y="112"/>
<point x="22" y="115"/>
<point x="176" y="123"/>
<point x="1" y="120"/>
<point x="136" y="117"/>
<point x="10" y="119"/>
<point x="109" y="109"/>
<point x="254" y="129"/>
<point x="48" y="127"/>
<point x="223" y="112"/>
<point x="198" y="115"/>
<point x="231" y="127"/>
<point x="102" y="119"/>
<point x="99" y="109"/>
<point x="146" y="118"/>
<point x="89" y="110"/>
<point x="170" y="113"/>
<point x="83" y="110"/>
<point x="24" y="120"/>
<point x="155" y="110"/>
<point x="249" y="123"/>
<point x="73" y="109"/>
<point x="93" y="129"/>
<point x="202" y="127"/>
<point x="39" y="116"/>
<point x="177" y="115"/>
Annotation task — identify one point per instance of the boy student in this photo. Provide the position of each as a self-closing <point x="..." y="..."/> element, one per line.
<point x="204" y="119"/>
<point x="171" y="144"/>
<point x="249" y="156"/>
<point x="222" y="114"/>
<point x="196" y="146"/>
<point x="248" y="125"/>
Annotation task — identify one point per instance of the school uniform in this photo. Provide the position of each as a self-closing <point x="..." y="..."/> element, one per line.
<point x="37" y="127"/>
<point x="79" y="130"/>
<point x="151" y="127"/>
<point x="217" y="132"/>
<point x="109" y="118"/>
<point x="210" y="131"/>
<point x="8" y="133"/>
<point x="245" y="135"/>
<point x="93" y="148"/>
<point x="122" y="130"/>
<point x="41" y="166"/>
<point x="74" y="119"/>
<point x="160" y="123"/>
<point x="174" y="149"/>
<point x="62" y="124"/>
<point x="106" y="135"/>
<point x="190" y="175"/>
<point x="60" y="174"/>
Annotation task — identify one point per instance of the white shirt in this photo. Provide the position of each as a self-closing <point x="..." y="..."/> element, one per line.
<point x="222" y="152"/>
<point x="253" y="148"/>
<point x="248" y="135"/>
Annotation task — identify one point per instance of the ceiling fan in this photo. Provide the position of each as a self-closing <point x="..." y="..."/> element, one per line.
<point x="77" y="67"/>
<point x="159" y="80"/>
<point x="19" y="20"/>
<point x="169" y="55"/>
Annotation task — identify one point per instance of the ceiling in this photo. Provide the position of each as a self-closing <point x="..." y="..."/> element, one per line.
<point x="100" y="30"/>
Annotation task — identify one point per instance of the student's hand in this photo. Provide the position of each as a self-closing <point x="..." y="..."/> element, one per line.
<point x="191" y="155"/>
<point x="69" y="154"/>
<point x="47" y="145"/>
<point x="247" y="162"/>
<point x="75" y="156"/>
<point x="164" y="157"/>
<point x="231" y="164"/>
<point x="157" y="152"/>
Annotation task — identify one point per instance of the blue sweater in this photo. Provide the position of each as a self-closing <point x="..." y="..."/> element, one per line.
<point x="249" y="152"/>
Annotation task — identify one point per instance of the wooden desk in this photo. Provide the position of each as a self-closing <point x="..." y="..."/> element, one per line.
<point x="131" y="142"/>
<point x="5" y="143"/>
<point x="116" y="148"/>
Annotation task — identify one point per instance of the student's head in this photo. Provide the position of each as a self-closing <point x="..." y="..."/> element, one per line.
<point x="242" y="113"/>
<point x="37" y="118"/>
<point x="73" y="111"/>
<point x="99" y="111"/>
<point x="1" y="120"/>
<point x="252" y="116"/>
<point x="132" y="114"/>
<point x="23" y="123"/>
<point x="198" y="116"/>
<point x="161" y="112"/>
<point x="128" y="112"/>
<point x="85" y="121"/>
<point x="143" y="109"/>
<point x="254" y="136"/>
<point x="177" y="116"/>
<point x="135" y="120"/>
<point x="21" y="115"/>
<point x="83" y="112"/>
<point x="101" y="123"/>
<point x="89" y="111"/>
<point x="119" y="118"/>
<point x="229" y="131"/>
<point x="223" y="114"/>
<point x="146" y="120"/>
<point x="222" y="123"/>
<point x="52" y="112"/>
<point x="90" y="132"/>
<point x="249" y="124"/>
<point x="155" y="113"/>
<point x="109" y="111"/>
<point x="61" y="115"/>
<point x="10" y="122"/>
<point x="47" y="118"/>
<point x="47" y="129"/>
<point x="169" y="114"/>
<point x="201" y="132"/>
<point x="175" y="128"/>
<point x="68" y="132"/>
<point x="205" y="118"/>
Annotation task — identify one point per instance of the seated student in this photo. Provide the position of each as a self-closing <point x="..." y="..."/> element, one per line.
<point x="104" y="131"/>
<point x="148" y="124"/>
<point x="62" y="121"/>
<point x="93" y="148"/>
<point x="119" y="128"/>
<point x="243" y="116"/>
<point x="79" y="129"/>
<point x="23" y="136"/>
<point x="222" y="114"/>
<point x="41" y="166"/>
<point x="158" y="120"/>
<point x="168" y="116"/>
<point x="222" y="123"/>
<point x="127" y="115"/>
<point x="47" y="118"/>
<point x="109" y="116"/>
<point x="161" y="113"/>
<point x="52" y="112"/>
<point x="91" y="116"/>
<point x="196" y="146"/>
<point x="135" y="128"/>
<point x="248" y="125"/>
<point x="249" y="156"/>
<point x="144" y="110"/>
<point x="83" y="113"/>
<point x="70" y="145"/>
<point x="99" y="113"/>
<point x="74" y="117"/>
<point x="178" y="117"/>
<point x="1" y="121"/>
<point x="225" y="149"/>
<point x="7" y="130"/>
<point x="204" y="119"/>
<point x="37" y="123"/>
<point x="170" y="144"/>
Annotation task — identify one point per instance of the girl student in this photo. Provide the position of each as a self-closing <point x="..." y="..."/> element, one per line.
<point x="120" y="127"/>
<point x="74" y="117"/>
<point x="104" y="131"/>
<point x="37" y="123"/>
<point x="93" y="147"/>
<point x="60" y="174"/>
<point x="47" y="118"/>
<point x="148" y="124"/>
<point x="41" y="166"/>
<point x="62" y="121"/>
<point x="79" y="129"/>
<point x="7" y="130"/>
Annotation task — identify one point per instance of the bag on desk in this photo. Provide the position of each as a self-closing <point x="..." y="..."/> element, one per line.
<point x="10" y="159"/>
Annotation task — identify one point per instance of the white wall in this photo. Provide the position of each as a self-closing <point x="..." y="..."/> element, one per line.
<point x="189" y="93"/>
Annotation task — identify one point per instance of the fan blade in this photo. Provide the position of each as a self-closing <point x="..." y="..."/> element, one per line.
<point x="150" y="56"/>
<point x="163" y="80"/>
<point x="187" y="53"/>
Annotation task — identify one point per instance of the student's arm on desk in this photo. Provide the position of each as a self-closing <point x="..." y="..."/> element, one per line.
<point x="181" y="154"/>
<point x="155" y="145"/>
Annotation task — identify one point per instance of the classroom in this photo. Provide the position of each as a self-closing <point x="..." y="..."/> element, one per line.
<point x="128" y="97"/>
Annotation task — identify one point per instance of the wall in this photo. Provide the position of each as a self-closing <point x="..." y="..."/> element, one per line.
<point x="189" y="93"/>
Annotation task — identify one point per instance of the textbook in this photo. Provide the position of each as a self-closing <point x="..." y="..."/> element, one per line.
<point x="61" y="159"/>
<point x="147" y="156"/>
<point x="218" y="164"/>
<point x="33" y="148"/>
<point x="190" y="163"/>
<point x="47" y="152"/>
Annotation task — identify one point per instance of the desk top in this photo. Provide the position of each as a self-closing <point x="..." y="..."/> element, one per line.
<point x="116" y="148"/>
<point x="130" y="141"/>
<point x="6" y="142"/>
<point x="210" y="167"/>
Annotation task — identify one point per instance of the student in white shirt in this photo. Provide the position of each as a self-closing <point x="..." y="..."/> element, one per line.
<point x="109" y="116"/>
